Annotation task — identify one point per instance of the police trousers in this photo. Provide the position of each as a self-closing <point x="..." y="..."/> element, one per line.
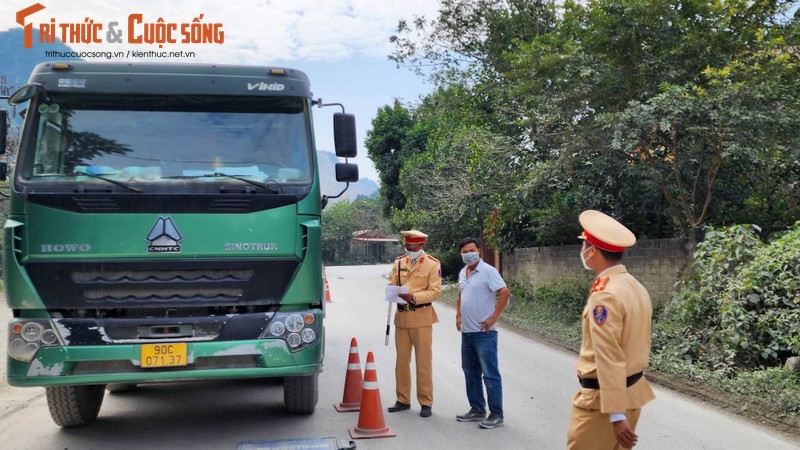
<point x="421" y="341"/>
<point x="589" y="429"/>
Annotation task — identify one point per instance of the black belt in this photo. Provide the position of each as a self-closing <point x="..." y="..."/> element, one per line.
<point x="592" y="383"/>
<point x="410" y="307"/>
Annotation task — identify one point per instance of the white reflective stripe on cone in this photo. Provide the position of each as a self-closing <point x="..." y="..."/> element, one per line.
<point x="370" y="385"/>
<point x="370" y="366"/>
<point x="354" y="367"/>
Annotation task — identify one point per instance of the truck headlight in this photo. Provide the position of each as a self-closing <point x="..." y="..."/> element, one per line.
<point x="293" y="340"/>
<point x="277" y="328"/>
<point x="27" y="336"/>
<point x="31" y="331"/>
<point x="299" y="329"/>
<point x="308" y="335"/>
<point x="294" y="323"/>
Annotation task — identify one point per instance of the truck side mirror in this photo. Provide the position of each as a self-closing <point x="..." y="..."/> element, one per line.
<point x="344" y="135"/>
<point x="3" y="130"/>
<point x="346" y="172"/>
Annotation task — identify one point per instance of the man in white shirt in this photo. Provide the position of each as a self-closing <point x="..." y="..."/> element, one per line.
<point x="477" y="313"/>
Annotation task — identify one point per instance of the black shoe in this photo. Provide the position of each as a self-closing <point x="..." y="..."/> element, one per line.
<point x="493" y="421"/>
<point x="474" y="415"/>
<point x="426" y="411"/>
<point x="399" y="407"/>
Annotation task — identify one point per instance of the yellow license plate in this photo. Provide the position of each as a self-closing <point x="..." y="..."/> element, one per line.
<point x="163" y="355"/>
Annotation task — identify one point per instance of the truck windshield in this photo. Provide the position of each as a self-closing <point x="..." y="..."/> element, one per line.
<point x="169" y="140"/>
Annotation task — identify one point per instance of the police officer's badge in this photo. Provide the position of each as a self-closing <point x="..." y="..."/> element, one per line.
<point x="600" y="314"/>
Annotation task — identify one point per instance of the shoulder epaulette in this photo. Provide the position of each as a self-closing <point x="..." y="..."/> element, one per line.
<point x="400" y="257"/>
<point x="599" y="284"/>
<point x="432" y="257"/>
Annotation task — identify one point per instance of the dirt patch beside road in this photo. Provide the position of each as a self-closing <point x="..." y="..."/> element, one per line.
<point x="753" y="409"/>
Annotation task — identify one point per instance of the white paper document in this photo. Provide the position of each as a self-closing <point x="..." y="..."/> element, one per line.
<point x="393" y="294"/>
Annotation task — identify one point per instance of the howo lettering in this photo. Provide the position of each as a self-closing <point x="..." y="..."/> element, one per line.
<point x="164" y="225"/>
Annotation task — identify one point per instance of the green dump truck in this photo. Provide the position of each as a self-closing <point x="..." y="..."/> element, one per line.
<point x="164" y="225"/>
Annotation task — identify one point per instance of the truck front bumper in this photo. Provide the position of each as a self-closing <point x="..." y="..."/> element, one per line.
<point x="74" y="365"/>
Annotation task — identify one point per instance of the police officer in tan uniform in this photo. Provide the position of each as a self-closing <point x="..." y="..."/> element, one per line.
<point x="422" y="274"/>
<point x="616" y="342"/>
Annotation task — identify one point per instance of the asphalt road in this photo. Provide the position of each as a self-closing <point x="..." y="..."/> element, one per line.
<point x="539" y="382"/>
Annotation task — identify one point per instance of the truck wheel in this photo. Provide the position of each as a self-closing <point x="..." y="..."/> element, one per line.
<point x="74" y="406"/>
<point x="300" y="394"/>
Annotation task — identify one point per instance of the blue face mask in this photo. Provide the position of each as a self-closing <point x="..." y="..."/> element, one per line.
<point x="470" y="258"/>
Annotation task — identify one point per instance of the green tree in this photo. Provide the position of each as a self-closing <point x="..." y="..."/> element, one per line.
<point x="708" y="89"/>
<point x="394" y="137"/>
<point x="342" y="219"/>
<point x="736" y="132"/>
<point x="668" y="115"/>
<point x="467" y="40"/>
<point x="453" y="187"/>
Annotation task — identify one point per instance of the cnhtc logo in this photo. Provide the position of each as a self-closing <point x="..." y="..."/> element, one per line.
<point x="164" y="237"/>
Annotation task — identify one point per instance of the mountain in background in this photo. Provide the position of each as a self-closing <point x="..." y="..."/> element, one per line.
<point x="329" y="186"/>
<point x="17" y="62"/>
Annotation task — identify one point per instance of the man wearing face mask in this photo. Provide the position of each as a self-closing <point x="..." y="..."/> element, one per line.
<point x="476" y="315"/>
<point x="616" y="342"/>
<point x="422" y="274"/>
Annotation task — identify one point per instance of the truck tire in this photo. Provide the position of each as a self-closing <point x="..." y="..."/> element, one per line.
<point x="74" y="406"/>
<point x="300" y="394"/>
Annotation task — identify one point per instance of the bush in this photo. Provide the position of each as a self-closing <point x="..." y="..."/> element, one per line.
<point x="561" y="301"/>
<point x="552" y="311"/>
<point x="761" y="308"/>
<point x="742" y="306"/>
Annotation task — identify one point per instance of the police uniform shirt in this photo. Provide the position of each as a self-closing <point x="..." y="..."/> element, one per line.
<point x="616" y="325"/>
<point x="423" y="277"/>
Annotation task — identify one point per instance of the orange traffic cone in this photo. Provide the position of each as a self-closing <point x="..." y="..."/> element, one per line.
<point x="351" y="400"/>
<point x="370" y="418"/>
<point x="327" y="287"/>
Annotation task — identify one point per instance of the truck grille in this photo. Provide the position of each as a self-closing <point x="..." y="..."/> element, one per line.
<point x="164" y="275"/>
<point x="142" y="291"/>
<point x="140" y="294"/>
<point x="162" y="283"/>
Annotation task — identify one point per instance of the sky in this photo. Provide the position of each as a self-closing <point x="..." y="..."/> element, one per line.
<point x="341" y="44"/>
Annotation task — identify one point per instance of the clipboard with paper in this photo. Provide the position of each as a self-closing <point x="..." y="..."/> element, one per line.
<point x="393" y="294"/>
